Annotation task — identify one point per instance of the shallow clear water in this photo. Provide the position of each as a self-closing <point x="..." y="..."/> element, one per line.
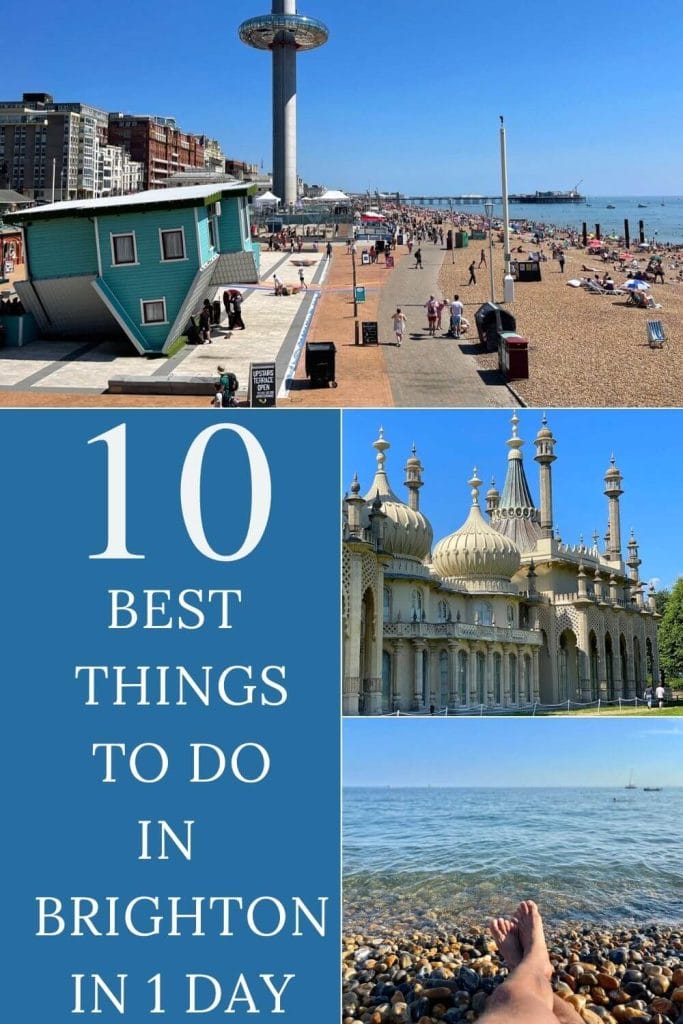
<point x="597" y="855"/>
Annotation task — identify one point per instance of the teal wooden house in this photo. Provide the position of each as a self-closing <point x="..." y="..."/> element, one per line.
<point x="141" y="264"/>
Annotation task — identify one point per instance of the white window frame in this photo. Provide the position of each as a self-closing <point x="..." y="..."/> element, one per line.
<point x="123" y="234"/>
<point x="152" y="323"/>
<point x="212" y="229"/>
<point x="172" y="259"/>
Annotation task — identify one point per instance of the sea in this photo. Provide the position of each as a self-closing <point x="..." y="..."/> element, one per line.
<point x="662" y="216"/>
<point x="417" y="857"/>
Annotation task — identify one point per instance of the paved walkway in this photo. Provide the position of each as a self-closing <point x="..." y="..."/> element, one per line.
<point x="428" y="371"/>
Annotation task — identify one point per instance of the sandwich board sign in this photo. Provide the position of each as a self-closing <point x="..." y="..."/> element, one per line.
<point x="262" y="390"/>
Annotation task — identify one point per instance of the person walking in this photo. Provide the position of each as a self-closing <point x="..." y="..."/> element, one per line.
<point x="482" y="260"/>
<point x="399" y="324"/>
<point x="659" y="694"/>
<point x="456" y="316"/>
<point x="473" y="276"/>
<point x="205" y="325"/>
<point x="302" y="280"/>
<point x="431" y="306"/>
<point x="328" y="250"/>
<point x="418" y="259"/>
<point x="560" y="260"/>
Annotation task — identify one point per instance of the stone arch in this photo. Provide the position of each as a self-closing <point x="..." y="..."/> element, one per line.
<point x="515" y="696"/>
<point x="525" y="681"/>
<point x="567" y="666"/>
<point x="649" y="661"/>
<point x="594" y="665"/>
<point x="386" y="681"/>
<point x="480" y="664"/>
<point x="367" y="644"/>
<point x="623" y="661"/>
<point x="609" y="667"/>
<point x="637" y="667"/>
<point x="443" y="678"/>
<point x="497" y="658"/>
<point x="463" y="665"/>
<point x="545" y="671"/>
<point x="387" y="609"/>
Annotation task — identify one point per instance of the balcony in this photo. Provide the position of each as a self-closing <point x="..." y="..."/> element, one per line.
<point x="460" y="631"/>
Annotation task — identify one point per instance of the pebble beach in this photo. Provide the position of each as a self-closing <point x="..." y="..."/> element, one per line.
<point x="609" y="975"/>
<point x="584" y="350"/>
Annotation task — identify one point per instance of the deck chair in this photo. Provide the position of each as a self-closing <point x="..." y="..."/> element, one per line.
<point x="656" y="335"/>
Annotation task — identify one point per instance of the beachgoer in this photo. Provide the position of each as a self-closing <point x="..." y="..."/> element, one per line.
<point x="440" y="306"/>
<point x="526" y="994"/>
<point x="431" y="306"/>
<point x="659" y="694"/>
<point x="473" y="277"/>
<point x="418" y="259"/>
<point x="302" y="280"/>
<point x="456" y="316"/>
<point x="237" y="321"/>
<point x="399" y="322"/>
<point x="560" y="260"/>
<point x="482" y="260"/>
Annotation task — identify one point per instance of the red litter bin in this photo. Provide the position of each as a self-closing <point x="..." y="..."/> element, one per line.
<point x="513" y="356"/>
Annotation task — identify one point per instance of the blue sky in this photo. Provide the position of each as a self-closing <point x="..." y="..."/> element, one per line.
<point x="404" y="95"/>
<point x="646" y="443"/>
<point x="512" y="752"/>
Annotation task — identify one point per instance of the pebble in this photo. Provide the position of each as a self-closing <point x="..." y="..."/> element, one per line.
<point x="436" y="976"/>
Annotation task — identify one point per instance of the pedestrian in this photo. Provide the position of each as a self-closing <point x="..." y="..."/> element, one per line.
<point x="205" y="325"/>
<point x="237" y="321"/>
<point x="418" y="259"/>
<point x="482" y="260"/>
<point x="560" y="260"/>
<point x="217" y="400"/>
<point x="277" y="284"/>
<point x="431" y="306"/>
<point x="399" y="323"/>
<point x="648" y="697"/>
<point x="473" y="276"/>
<point x="328" y="250"/>
<point x="226" y="303"/>
<point x="302" y="282"/>
<point x="410" y="246"/>
<point x="456" y="316"/>
<point x="659" y="694"/>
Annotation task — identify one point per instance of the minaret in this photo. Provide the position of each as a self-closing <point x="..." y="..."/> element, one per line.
<point x="515" y="516"/>
<point x="613" y="490"/>
<point x="545" y="456"/>
<point x="284" y="33"/>
<point x="633" y="560"/>
<point x="413" y="480"/>
<point x="354" y="505"/>
<point x="492" y="498"/>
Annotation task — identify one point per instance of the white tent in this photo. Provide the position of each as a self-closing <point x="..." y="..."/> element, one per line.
<point x="333" y="196"/>
<point x="267" y="199"/>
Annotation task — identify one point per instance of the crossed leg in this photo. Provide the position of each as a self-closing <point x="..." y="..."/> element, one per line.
<point x="526" y="995"/>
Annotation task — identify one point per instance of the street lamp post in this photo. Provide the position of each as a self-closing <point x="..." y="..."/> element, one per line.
<point x="508" y="280"/>
<point x="450" y="203"/>
<point x="488" y="207"/>
<point x="356" y="340"/>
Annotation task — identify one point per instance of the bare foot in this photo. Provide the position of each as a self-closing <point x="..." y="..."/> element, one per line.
<point x="506" y="934"/>
<point x="531" y="937"/>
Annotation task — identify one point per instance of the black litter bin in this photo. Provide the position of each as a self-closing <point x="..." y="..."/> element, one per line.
<point x="379" y="245"/>
<point x="320" y="358"/>
<point x="216" y="310"/>
<point x="491" y="320"/>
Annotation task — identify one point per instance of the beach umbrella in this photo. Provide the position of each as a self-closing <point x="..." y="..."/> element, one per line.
<point x="636" y="286"/>
<point x="596" y="244"/>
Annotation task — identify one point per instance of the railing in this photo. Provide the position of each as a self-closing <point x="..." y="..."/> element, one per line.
<point x="484" y="710"/>
<point x="460" y="631"/>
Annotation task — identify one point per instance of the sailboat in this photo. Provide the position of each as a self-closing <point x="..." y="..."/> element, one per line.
<point x="631" y="784"/>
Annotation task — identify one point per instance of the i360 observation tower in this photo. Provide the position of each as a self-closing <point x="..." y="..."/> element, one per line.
<point x="284" y="33"/>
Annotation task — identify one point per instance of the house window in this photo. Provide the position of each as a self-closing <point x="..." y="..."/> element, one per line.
<point x="153" y="311"/>
<point x="123" y="249"/>
<point x="172" y="244"/>
<point x="212" y="233"/>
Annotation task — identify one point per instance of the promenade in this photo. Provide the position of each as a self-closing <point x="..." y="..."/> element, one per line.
<point x="423" y="372"/>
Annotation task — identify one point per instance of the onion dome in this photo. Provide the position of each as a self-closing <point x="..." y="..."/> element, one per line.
<point x="515" y="515"/>
<point x="407" y="532"/>
<point x="476" y="550"/>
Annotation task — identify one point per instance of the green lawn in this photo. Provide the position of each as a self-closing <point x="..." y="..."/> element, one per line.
<point x="623" y="713"/>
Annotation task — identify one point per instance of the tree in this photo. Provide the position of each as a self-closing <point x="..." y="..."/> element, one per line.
<point x="661" y="598"/>
<point x="670" y="634"/>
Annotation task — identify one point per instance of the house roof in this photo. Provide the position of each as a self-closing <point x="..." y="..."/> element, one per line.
<point x="8" y="195"/>
<point x="189" y="195"/>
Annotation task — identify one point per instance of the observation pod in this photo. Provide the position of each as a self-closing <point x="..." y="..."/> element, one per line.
<point x="284" y="33"/>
